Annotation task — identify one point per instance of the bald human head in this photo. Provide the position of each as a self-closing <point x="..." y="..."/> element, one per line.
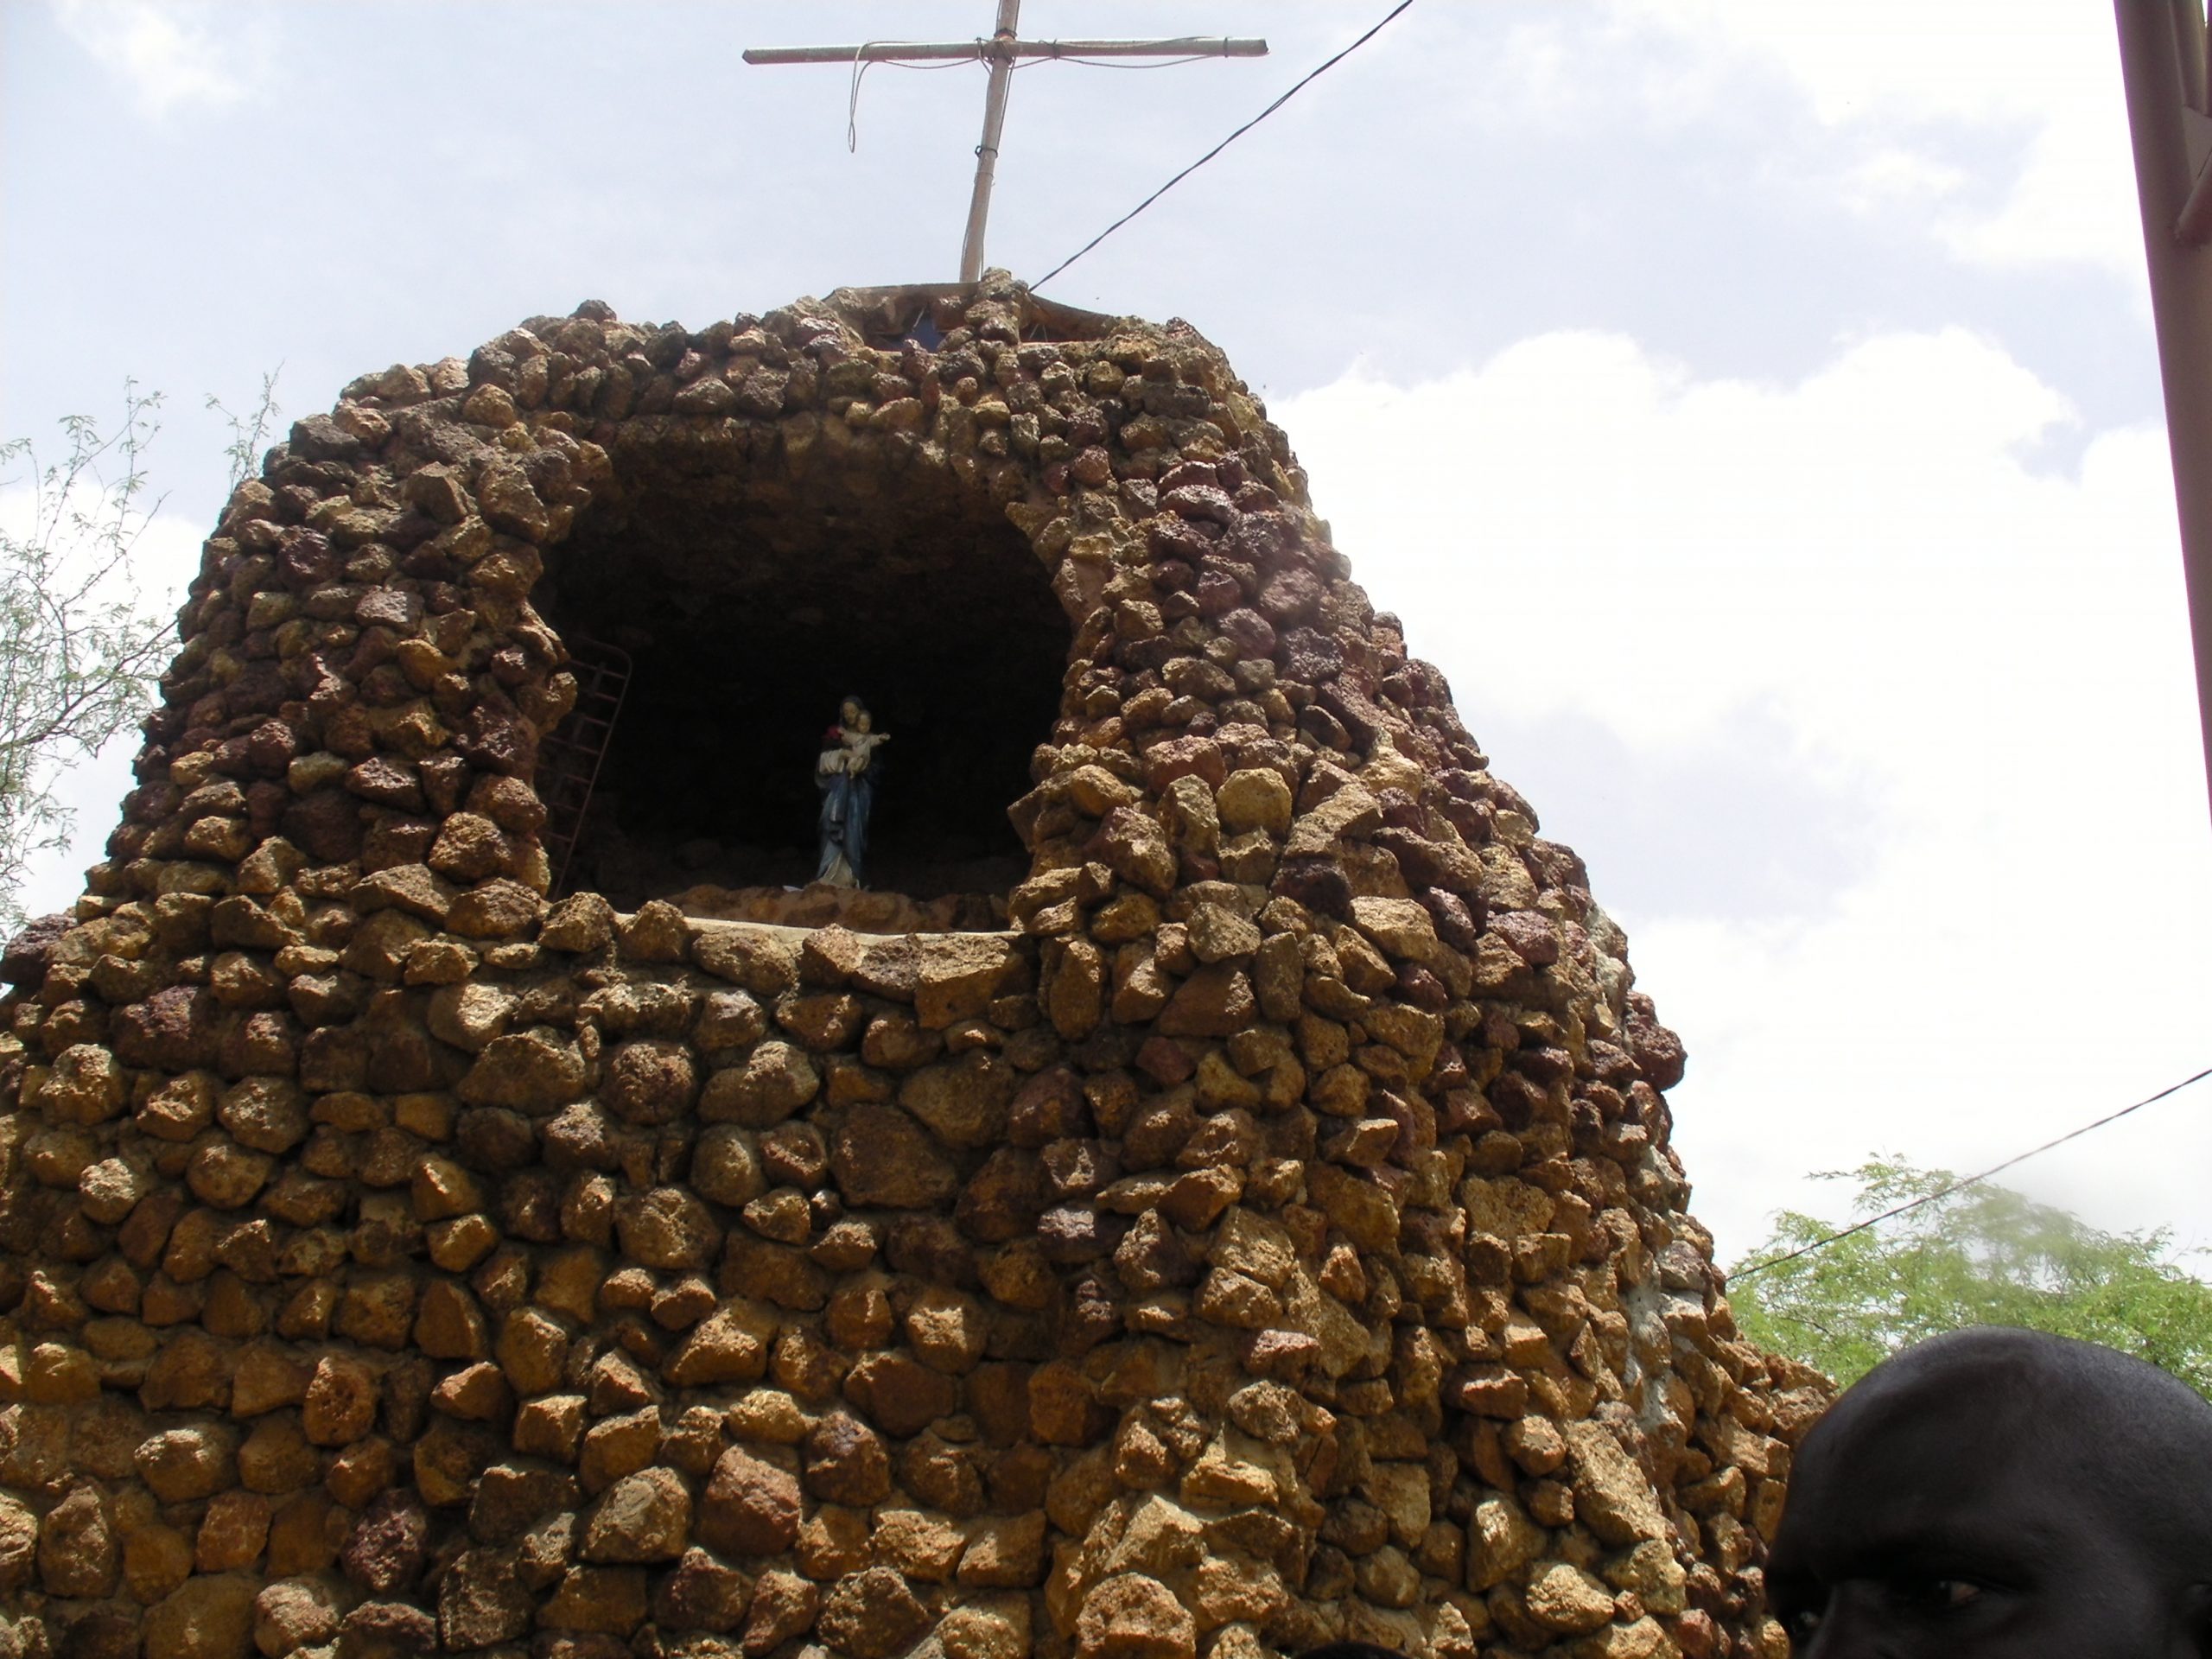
<point x="1999" y="1491"/>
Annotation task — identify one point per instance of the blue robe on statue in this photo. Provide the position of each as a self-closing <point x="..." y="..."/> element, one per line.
<point x="847" y="798"/>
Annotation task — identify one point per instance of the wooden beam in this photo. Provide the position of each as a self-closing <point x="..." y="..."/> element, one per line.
<point x="1194" y="46"/>
<point x="1000" y="52"/>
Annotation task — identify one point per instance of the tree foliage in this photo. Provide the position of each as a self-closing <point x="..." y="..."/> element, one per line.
<point x="1984" y="1254"/>
<point x="251" y="431"/>
<point x="78" y="648"/>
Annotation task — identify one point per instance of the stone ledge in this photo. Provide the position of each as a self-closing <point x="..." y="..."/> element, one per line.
<point x="862" y="911"/>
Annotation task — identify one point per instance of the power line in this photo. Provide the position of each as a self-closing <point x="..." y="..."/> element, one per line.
<point x="1331" y="64"/>
<point x="1960" y="1186"/>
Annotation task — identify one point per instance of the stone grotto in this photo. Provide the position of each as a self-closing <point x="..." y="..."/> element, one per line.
<point x="1213" y="1197"/>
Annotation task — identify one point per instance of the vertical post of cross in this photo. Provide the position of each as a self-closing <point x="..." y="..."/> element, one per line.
<point x="987" y="153"/>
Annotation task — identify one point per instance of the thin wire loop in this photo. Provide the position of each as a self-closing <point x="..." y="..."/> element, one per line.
<point x="1057" y="57"/>
<point x="862" y="65"/>
<point x="852" y="101"/>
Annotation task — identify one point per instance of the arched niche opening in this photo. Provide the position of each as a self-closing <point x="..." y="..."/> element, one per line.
<point x="747" y="608"/>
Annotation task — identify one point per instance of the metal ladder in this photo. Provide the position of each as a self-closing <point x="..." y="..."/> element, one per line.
<point x="569" y="758"/>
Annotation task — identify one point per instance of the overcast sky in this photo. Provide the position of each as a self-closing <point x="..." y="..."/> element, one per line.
<point x="1752" y="406"/>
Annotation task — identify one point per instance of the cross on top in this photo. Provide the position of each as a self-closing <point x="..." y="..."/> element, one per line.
<point x="1000" y="51"/>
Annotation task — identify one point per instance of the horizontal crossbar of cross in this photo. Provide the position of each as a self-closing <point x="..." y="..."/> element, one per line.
<point x="982" y="50"/>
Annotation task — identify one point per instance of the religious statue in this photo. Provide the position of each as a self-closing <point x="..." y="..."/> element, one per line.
<point x="845" y="775"/>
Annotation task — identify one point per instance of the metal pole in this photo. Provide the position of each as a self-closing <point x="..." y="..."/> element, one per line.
<point x="2151" y="32"/>
<point x="987" y="153"/>
<point x="2189" y="24"/>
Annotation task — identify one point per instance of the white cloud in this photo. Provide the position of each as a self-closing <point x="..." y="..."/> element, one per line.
<point x="1893" y="177"/>
<point x="170" y="55"/>
<point x="2073" y="201"/>
<point x="1592" y="458"/>
<point x="1908" y="83"/>
<point x="1970" y="60"/>
<point x="1992" y="660"/>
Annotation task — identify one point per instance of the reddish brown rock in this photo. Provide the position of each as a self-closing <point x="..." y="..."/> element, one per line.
<point x="642" y="1517"/>
<point x="650" y="1082"/>
<point x="341" y="1403"/>
<point x="784" y="1605"/>
<point x="529" y="1070"/>
<point x="1005" y="1551"/>
<point x="749" y="1507"/>
<point x="883" y="1159"/>
<point x="78" y="1553"/>
<point x="703" y="1593"/>
<point x="205" y="1617"/>
<point x="389" y="1544"/>
<point x="483" y="1600"/>
<point x="667" y="1227"/>
<point x="845" y="1462"/>
<point x="1215" y="1001"/>
<point x="871" y="1614"/>
<point x="182" y="1464"/>
<point x="294" y="1613"/>
<point x="597" y="1600"/>
<point x="774" y="1081"/>
<point x="1132" y="1615"/>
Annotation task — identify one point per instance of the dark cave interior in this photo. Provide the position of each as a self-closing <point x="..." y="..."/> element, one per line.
<point x="748" y="615"/>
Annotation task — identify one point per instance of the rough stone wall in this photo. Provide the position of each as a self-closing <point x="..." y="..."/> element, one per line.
<point x="1274" y="1238"/>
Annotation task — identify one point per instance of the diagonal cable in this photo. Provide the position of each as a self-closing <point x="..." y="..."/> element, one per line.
<point x="1316" y="74"/>
<point x="1959" y="1186"/>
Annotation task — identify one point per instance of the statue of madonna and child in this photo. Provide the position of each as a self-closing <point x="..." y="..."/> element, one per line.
<point x="846" y="773"/>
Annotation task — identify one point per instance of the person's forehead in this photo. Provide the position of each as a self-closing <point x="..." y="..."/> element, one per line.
<point x="1951" y="1492"/>
<point x="2012" y="1412"/>
<point x="1950" y="1473"/>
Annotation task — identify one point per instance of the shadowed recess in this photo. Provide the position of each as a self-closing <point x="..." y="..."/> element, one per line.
<point x="750" y="609"/>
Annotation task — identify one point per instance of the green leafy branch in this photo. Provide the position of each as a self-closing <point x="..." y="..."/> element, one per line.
<point x="1984" y="1254"/>
<point x="79" y="650"/>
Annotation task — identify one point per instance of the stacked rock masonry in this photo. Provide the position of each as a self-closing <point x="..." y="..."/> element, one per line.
<point x="1272" y="1236"/>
